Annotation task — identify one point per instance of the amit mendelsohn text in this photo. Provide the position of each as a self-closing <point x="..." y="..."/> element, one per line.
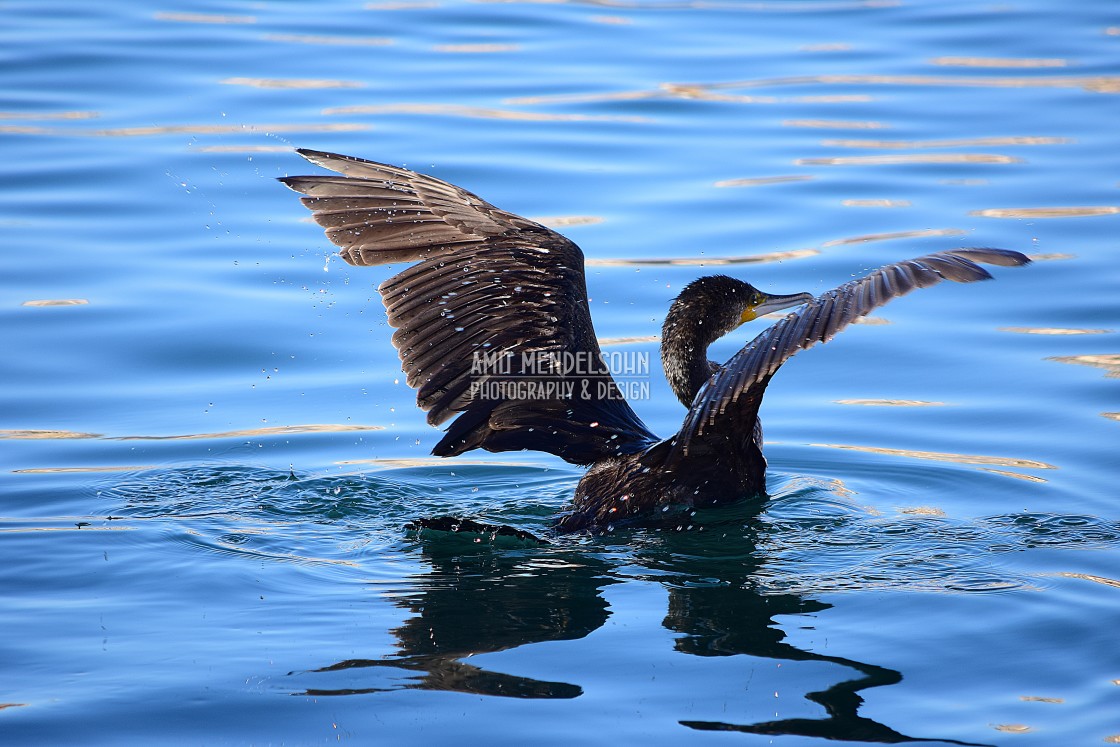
<point x="506" y="375"/>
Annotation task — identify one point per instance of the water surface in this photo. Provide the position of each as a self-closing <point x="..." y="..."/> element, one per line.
<point x="209" y="452"/>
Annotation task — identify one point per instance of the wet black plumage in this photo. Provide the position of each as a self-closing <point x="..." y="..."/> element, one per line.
<point x="483" y="281"/>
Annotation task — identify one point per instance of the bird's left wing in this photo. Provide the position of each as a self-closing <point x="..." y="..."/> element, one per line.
<point x="729" y="401"/>
<point x="492" y="316"/>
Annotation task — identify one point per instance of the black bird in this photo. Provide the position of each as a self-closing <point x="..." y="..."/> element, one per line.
<point x="489" y="295"/>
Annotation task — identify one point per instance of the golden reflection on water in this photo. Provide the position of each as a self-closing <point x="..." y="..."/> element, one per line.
<point x="1013" y="728"/>
<point x="478" y="112"/>
<point x="267" y="431"/>
<point x="1094" y="579"/>
<point x="433" y="461"/>
<point x="205" y="129"/>
<point x="760" y="181"/>
<point x="247" y="129"/>
<point x="608" y="341"/>
<point x="835" y="124"/>
<point x="958" y="143"/>
<point x="1054" y="331"/>
<point x="560" y="221"/>
<point x="25" y="130"/>
<point x="717" y="91"/>
<point x="1048" y="212"/>
<point x="684" y="91"/>
<point x="748" y="259"/>
<point x="1000" y="61"/>
<point x="83" y="526"/>
<point x="909" y="158"/>
<point x="1097" y="84"/>
<point x="291" y="83"/>
<point x="59" y="470"/>
<point x="876" y="203"/>
<point x="476" y="48"/>
<point x="938" y="456"/>
<point x="251" y="432"/>
<point x="1051" y="256"/>
<point x="45" y="434"/>
<point x="706" y="93"/>
<point x="50" y="115"/>
<point x="1110" y="362"/>
<point x="922" y="511"/>
<point x="613" y="20"/>
<point x="242" y="148"/>
<point x="203" y="18"/>
<point x="56" y="302"/>
<point x="272" y="430"/>
<point x="826" y="47"/>
<point x="1016" y="475"/>
<point x="581" y="98"/>
<point x="370" y="41"/>
<point x="891" y="236"/>
<point x="890" y="402"/>
<point x="703" y="93"/>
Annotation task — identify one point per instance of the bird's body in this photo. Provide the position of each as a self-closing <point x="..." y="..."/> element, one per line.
<point x="487" y="293"/>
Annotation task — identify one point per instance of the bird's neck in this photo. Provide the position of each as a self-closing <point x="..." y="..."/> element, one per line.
<point x="684" y="356"/>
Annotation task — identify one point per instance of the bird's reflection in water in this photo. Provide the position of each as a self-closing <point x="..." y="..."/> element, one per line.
<point x="481" y="599"/>
<point x="730" y="617"/>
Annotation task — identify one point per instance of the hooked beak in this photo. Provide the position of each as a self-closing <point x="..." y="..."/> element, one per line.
<point x="774" y="303"/>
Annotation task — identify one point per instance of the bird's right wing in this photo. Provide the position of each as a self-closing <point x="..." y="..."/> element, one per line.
<point x="728" y="403"/>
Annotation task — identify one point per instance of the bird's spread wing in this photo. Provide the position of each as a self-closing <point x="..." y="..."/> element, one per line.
<point x="492" y="317"/>
<point x="730" y="400"/>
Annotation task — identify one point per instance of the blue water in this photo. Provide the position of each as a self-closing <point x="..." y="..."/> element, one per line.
<point x="208" y="453"/>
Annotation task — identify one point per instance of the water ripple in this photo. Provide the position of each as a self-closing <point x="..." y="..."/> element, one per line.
<point x="283" y="515"/>
<point x="810" y="538"/>
<point x="814" y="546"/>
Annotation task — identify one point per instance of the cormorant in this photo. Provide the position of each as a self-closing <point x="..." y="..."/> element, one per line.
<point x="489" y="295"/>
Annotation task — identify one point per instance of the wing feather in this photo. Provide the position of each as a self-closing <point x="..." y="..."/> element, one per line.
<point x="480" y="280"/>
<point x="729" y="401"/>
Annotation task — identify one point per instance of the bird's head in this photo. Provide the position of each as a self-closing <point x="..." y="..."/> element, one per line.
<point x="719" y="304"/>
<point x="706" y="310"/>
